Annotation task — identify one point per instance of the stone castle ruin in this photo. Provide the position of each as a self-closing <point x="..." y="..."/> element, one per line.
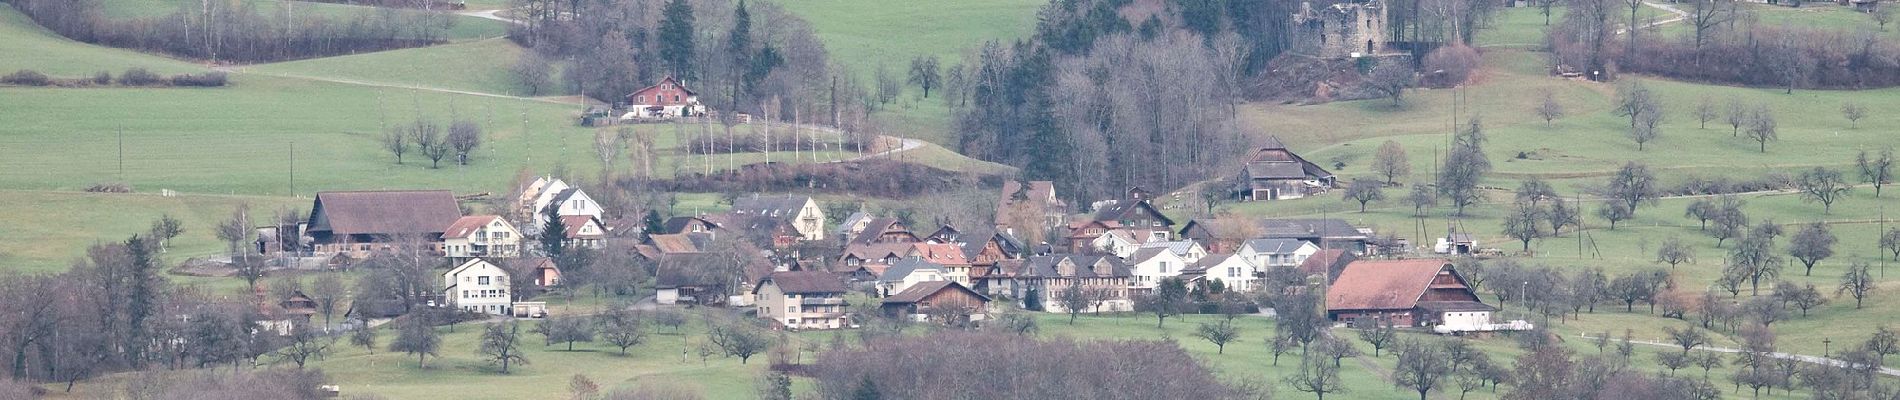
<point x="1342" y="30"/>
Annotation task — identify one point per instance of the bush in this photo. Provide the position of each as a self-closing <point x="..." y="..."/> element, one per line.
<point x="27" y="77"/>
<point x="102" y="78"/>
<point x="1450" y="65"/>
<point x="112" y="187"/>
<point x="208" y="79"/>
<point x="140" y="77"/>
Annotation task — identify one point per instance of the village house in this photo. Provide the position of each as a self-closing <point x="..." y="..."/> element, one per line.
<point x="544" y="192"/>
<point x="1328" y="263"/>
<point x="355" y="223"/>
<point x="1037" y="282"/>
<point x="906" y="272"/>
<point x="942" y="302"/>
<point x="945" y="234"/>
<point x="801" y="213"/>
<point x="1149" y="266"/>
<point x="481" y="236"/>
<point x="1270" y="253"/>
<point x="478" y="286"/>
<point x="1118" y="242"/>
<point x="665" y="100"/>
<point x="1407" y="293"/>
<point x="1136" y="215"/>
<point x="583" y="231"/>
<point x="1029" y="202"/>
<point x="546" y="273"/>
<point x="283" y="316"/>
<point x="1187" y="249"/>
<point x="686" y="278"/>
<point x="803" y="300"/>
<point x="1330" y="233"/>
<point x="1274" y="173"/>
<point x="687" y="224"/>
<point x="1234" y="272"/>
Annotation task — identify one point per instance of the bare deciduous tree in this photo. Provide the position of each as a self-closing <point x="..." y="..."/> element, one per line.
<point x="1391" y="79"/>
<point x="1549" y="109"/>
<point x="464" y="136"/>
<point x="1853" y="112"/>
<point x="1390" y="162"/>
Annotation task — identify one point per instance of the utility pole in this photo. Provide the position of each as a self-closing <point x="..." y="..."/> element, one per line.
<point x="121" y="153"/>
<point x="293" y="168"/>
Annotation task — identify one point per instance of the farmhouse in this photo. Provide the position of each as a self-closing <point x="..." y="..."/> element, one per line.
<point x="1275" y="173"/>
<point x="478" y="286"/>
<point x="1328" y="263"/>
<point x="802" y="300"/>
<point x="942" y="302"/>
<point x="354" y="223"/>
<point x="1331" y="233"/>
<point x="665" y="100"/>
<point x="481" y="236"/>
<point x="1421" y="292"/>
<point x="1038" y="281"/>
<point x="801" y="213"/>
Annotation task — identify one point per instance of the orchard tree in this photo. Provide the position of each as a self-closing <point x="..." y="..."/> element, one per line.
<point x="1823" y="185"/>
<point x="1762" y="127"/>
<point x="1812" y="244"/>
<point x="1549" y="109"/>
<point x="1522" y="223"/>
<point x="1220" y="334"/>
<point x="501" y="345"/>
<point x="1853" y="112"/>
<point x="924" y="73"/>
<point x="1705" y="109"/>
<point x="1857" y="282"/>
<point x="1316" y="376"/>
<point x="1422" y="198"/>
<point x="1673" y="252"/>
<point x="1634" y="185"/>
<point x="1877" y="171"/>
<point x="1614" y="211"/>
<point x="1634" y="100"/>
<point x="1365" y="190"/>
<point x="1465" y="167"/>
<point x="1390" y="162"/>
<point x="1422" y="367"/>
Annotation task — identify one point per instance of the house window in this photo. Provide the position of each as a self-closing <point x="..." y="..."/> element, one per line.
<point x="791" y="309"/>
<point x="481" y="280"/>
<point x="676" y="97"/>
<point x="1164" y="267"/>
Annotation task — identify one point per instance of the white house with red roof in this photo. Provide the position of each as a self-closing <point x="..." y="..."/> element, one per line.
<point x="481" y="236"/>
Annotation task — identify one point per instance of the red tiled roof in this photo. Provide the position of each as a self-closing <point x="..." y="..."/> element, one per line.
<point x="1383" y="285"/>
<point x="940" y="253"/>
<point x="466" y="226"/>
<point x="574" y="223"/>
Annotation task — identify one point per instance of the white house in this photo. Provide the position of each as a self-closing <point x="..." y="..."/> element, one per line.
<point x="583" y="231"/>
<point x="1120" y="242"/>
<point x="909" y="271"/>
<point x="1149" y="266"/>
<point x="1188" y="250"/>
<point x="477" y="286"/>
<point x="567" y="199"/>
<point x="1269" y="253"/>
<point x="481" y="236"/>
<point x="1233" y="271"/>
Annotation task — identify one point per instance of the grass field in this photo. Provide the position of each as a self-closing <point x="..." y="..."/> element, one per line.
<point x="465" y="27"/>
<point x="58" y="56"/>
<point x="863" y="34"/>
<point x="445" y="66"/>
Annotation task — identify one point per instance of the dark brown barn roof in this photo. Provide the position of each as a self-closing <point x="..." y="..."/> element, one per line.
<point x="921" y="290"/>
<point x="384" y="212"/>
<point x="797" y="282"/>
<point x="1383" y="285"/>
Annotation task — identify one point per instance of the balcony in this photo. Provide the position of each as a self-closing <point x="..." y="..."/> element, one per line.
<point x="822" y="301"/>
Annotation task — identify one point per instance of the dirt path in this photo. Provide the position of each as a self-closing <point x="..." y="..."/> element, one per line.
<point x="1788" y="356"/>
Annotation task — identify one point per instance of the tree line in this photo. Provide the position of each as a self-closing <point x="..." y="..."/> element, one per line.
<point x="1100" y="106"/>
<point x="751" y="57"/>
<point x="227" y="32"/>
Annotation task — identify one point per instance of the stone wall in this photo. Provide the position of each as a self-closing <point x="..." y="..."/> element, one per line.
<point x="1340" y="30"/>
